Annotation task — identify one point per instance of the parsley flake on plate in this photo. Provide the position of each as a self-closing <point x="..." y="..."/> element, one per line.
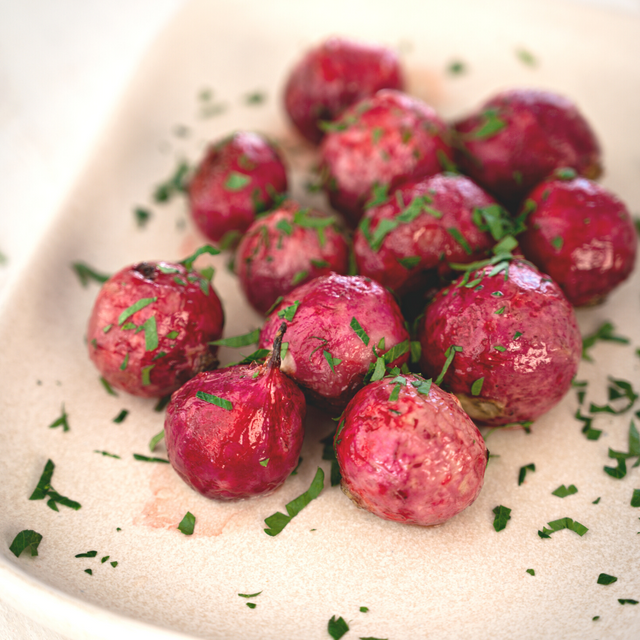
<point x="337" y="627"/>
<point x="44" y="489"/>
<point x="26" y="540"/>
<point x="605" y="579"/>
<point x="86" y="274"/>
<point x="562" y="523"/>
<point x="62" y="421"/>
<point x="187" y="524"/>
<point x="523" y="472"/>
<point x="563" y="492"/>
<point x="502" y="516"/>
<point x="211" y="399"/>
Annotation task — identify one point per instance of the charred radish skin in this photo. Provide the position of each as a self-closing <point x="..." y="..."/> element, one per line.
<point x="238" y="177"/>
<point x="582" y="235"/>
<point x="519" y="137"/>
<point x="150" y="328"/>
<point x="421" y="228"/>
<point x="511" y="339"/>
<point x="409" y="453"/>
<point x="237" y="432"/>
<point x="377" y="144"/>
<point x="286" y="248"/>
<point x="334" y="75"/>
<point x="337" y="327"/>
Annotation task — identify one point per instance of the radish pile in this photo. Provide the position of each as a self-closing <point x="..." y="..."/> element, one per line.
<point x="470" y="243"/>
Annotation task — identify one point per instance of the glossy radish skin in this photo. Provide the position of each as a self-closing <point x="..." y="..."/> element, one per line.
<point x="520" y="335"/>
<point x="237" y="178"/>
<point x="287" y="248"/>
<point x="519" y="137"/>
<point x="321" y="331"/>
<point x="245" y="449"/>
<point x="426" y="242"/>
<point x="581" y="235"/>
<point x="381" y="141"/>
<point x="417" y="459"/>
<point x="186" y="313"/>
<point x="334" y="75"/>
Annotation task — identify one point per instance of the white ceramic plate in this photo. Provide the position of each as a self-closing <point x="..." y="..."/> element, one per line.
<point x="462" y="579"/>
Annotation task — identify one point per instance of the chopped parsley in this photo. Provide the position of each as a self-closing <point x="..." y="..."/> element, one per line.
<point x="329" y="454"/>
<point x="250" y="595"/>
<point x="364" y="609"/>
<point x="256" y="356"/>
<point x="604" y="332"/>
<point x="26" y="540"/>
<point x="238" y="341"/>
<point x="396" y="351"/>
<point x="531" y="572"/>
<point x="409" y="262"/>
<point x="153" y="443"/>
<point x="337" y="627"/>
<point x="333" y="362"/>
<point x="379" y="195"/>
<point x="449" y="354"/>
<point x="125" y="362"/>
<point x="86" y="273"/>
<point x="617" y="389"/>
<point x="496" y="220"/>
<point x="565" y="173"/>
<point x="422" y="386"/>
<point x="135" y="307"/>
<point x="563" y="492"/>
<point x="563" y="523"/>
<point x="299" y="276"/>
<point x="476" y="387"/>
<point x="236" y="181"/>
<point x="416" y="351"/>
<point x="187" y="263"/>
<point x="145" y="375"/>
<point x="456" y="68"/>
<point x="44" y="489"/>
<point x="211" y="399"/>
<point x="141" y="458"/>
<point x="121" y="416"/>
<point x="360" y="332"/>
<point x="605" y="579"/>
<point x="490" y="125"/>
<point x="523" y="472"/>
<point x="502" y="516"/>
<point x="460" y="239"/>
<point x="87" y="554"/>
<point x="627" y="601"/>
<point x="175" y="184"/>
<point x="557" y="242"/>
<point x="278" y="521"/>
<point x="107" y="454"/>
<point x="526" y="57"/>
<point x="635" y="498"/>
<point x="142" y="216"/>
<point x="289" y="312"/>
<point x="255" y="98"/>
<point x="264" y="463"/>
<point x="62" y="421"/>
<point x="187" y="524"/>
<point x="150" y="328"/>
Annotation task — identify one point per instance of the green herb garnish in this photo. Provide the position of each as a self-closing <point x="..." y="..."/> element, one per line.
<point x="135" y="307"/>
<point x="289" y="312"/>
<point x="141" y="458"/>
<point x="360" y="332"/>
<point x="62" y="421"/>
<point x="176" y="183"/>
<point x="278" y="521"/>
<point x="523" y="472"/>
<point x="604" y="332"/>
<point x="490" y="126"/>
<point x="526" y="57"/>
<point x="87" y="554"/>
<point x="236" y="181"/>
<point x="562" y="523"/>
<point x="142" y="216"/>
<point x="153" y="443"/>
<point x="502" y="516"/>
<point x="476" y="387"/>
<point x="121" y="416"/>
<point x="44" y="489"/>
<point x="333" y="362"/>
<point x="449" y="354"/>
<point x="238" y="341"/>
<point x="337" y="627"/>
<point x="187" y="524"/>
<point x="531" y="572"/>
<point x="26" y="540"/>
<point x="460" y="239"/>
<point x="86" y="273"/>
<point x="563" y="492"/>
<point x="605" y="579"/>
<point x="379" y="195"/>
<point x="107" y="454"/>
<point x="211" y="399"/>
<point x="557" y="242"/>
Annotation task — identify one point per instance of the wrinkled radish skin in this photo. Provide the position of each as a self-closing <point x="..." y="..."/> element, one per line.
<point x="186" y="320"/>
<point x="334" y="75"/>
<point x="244" y="451"/>
<point x="417" y="460"/>
<point x="276" y="255"/>
<point x="520" y="335"/>
<point x="321" y="326"/>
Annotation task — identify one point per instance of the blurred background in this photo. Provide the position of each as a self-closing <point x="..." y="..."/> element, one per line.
<point x="63" y="67"/>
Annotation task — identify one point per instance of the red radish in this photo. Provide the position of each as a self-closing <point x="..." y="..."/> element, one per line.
<point x="421" y="228"/>
<point x="150" y="328"/>
<point x="338" y="328"/>
<point x="509" y="342"/>
<point x="581" y="235"/>
<point x="377" y="144"/>
<point x="236" y="432"/>
<point x="239" y="176"/>
<point x="334" y="75"/>
<point x="287" y="248"/>
<point x="519" y="137"/>
<point x="408" y="452"/>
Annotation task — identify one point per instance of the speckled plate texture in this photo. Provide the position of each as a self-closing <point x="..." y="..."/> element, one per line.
<point x="459" y="580"/>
